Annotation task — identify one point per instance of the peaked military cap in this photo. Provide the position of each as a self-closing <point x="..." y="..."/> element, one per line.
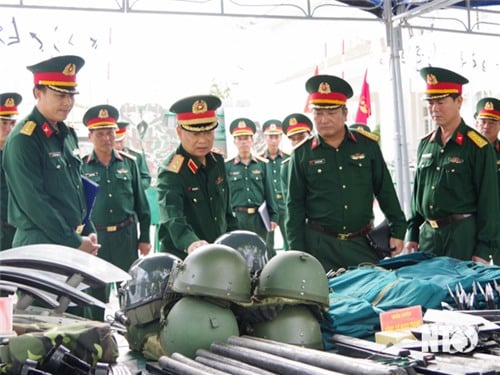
<point x="8" y="105"/>
<point x="242" y="126"/>
<point x="197" y="113"/>
<point x="58" y="73"/>
<point x="488" y="108"/>
<point x="121" y="131"/>
<point x="102" y="116"/>
<point x="296" y="123"/>
<point x="441" y="82"/>
<point x="357" y="126"/>
<point x="272" y="127"/>
<point x="327" y="91"/>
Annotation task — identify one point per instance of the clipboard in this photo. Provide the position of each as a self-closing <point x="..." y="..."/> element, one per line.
<point x="90" y="190"/>
<point x="264" y="215"/>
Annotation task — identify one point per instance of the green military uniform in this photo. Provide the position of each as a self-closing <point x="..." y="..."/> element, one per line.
<point x="119" y="202"/>
<point x="194" y="198"/>
<point x="331" y="190"/>
<point x="294" y="123"/>
<point x="454" y="207"/>
<point x="43" y="170"/>
<point x="194" y="201"/>
<point x="274" y="175"/>
<point x="250" y="186"/>
<point x="140" y="157"/>
<point x="8" y="113"/>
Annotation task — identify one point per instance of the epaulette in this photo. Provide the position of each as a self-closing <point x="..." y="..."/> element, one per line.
<point x="478" y="140"/>
<point x="367" y="134"/>
<point x="28" y="128"/>
<point x="175" y="164"/>
<point x="133" y="150"/>
<point x="217" y="151"/>
<point x="262" y="159"/>
<point x="428" y="134"/>
<point x="127" y="155"/>
<point x="228" y="160"/>
<point x="284" y="161"/>
<point x="303" y="141"/>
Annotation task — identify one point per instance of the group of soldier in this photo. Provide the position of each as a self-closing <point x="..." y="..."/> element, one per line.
<point x="321" y="196"/>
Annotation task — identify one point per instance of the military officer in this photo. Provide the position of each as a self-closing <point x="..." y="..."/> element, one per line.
<point x="333" y="179"/>
<point x="454" y="207"/>
<point x="273" y="132"/>
<point x="488" y="123"/>
<point x="140" y="157"/>
<point x="120" y="199"/>
<point x="297" y="128"/>
<point x="8" y="113"/>
<point x="43" y="166"/>
<point x="248" y="181"/>
<point x="193" y="192"/>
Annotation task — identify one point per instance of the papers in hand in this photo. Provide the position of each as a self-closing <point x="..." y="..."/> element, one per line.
<point x="90" y="189"/>
<point x="264" y="215"/>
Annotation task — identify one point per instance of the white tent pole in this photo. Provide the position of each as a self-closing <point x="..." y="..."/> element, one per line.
<point x="394" y="40"/>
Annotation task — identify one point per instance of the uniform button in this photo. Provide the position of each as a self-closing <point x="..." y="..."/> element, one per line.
<point x="211" y="198"/>
<point x="340" y="168"/>
<point x="215" y="218"/>
<point x="346" y="206"/>
<point x="359" y="165"/>
<point x="110" y="195"/>
<point x="246" y="178"/>
<point x="433" y="187"/>
<point x="195" y="200"/>
<point x="111" y="211"/>
<point x="58" y="166"/>
<point x="438" y="168"/>
<point x="337" y="149"/>
<point x="344" y="227"/>
<point x="249" y="200"/>
<point x="431" y="207"/>
<point x="108" y="181"/>
<point x="320" y="170"/>
<point x="274" y="180"/>
<point x="77" y="187"/>
<point x="441" y="151"/>
<point x="343" y="186"/>
<point x="248" y="189"/>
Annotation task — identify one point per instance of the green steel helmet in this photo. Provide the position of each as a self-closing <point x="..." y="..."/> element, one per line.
<point x="140" y="297"/>
<point x="194" y="323"/>
<point x="250" y="245"/>
<point x="295" y="325"/>
<point x="294" y="274"/>
<point x="215" y="271"/>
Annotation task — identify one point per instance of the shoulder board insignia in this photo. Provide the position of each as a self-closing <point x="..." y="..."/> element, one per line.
<point x="285" y="160"/>
<point x="133" y="150"/>
<point x="127" y="155"/>
<point x="285" y="154"/>
<point x="175" y="164"/>
<point x="218" y="151"/>
<point x="229" y="160"/>
<point x="477" y="139"/>
<point x="262" y="159"/>
<point x="367" y="134"/>
<point x="303" y="141"/>
<point x="431" y="133"/>
<point x="28" y="128"/>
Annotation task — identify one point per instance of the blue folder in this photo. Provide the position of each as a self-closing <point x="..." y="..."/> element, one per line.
<point x="90" y="189"/>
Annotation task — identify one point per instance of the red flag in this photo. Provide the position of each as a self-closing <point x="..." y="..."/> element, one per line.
<point x="364" y="108"/>
<point x="306" y="107"/>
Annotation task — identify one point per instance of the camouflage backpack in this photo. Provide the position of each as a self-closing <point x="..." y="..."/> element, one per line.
<point x="90" y="341"/>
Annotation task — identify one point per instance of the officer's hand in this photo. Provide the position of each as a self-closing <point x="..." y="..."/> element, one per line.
<point x="195" y="245"/>
<point x="396" y="246"/>
<point x="273" y="225"/>
<point x="144" y="248"/>
<point x="89" y="244"/>
<point x="411" y="247"/>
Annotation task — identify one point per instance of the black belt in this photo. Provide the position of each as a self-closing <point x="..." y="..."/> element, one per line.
<point x="247" y="210"/>
<point x="442" y="222"/>
<point x="340" y="236"/>
<point x="115" y="227"/>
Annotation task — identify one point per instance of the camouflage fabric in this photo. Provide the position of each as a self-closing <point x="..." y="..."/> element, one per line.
<point x="90" y="341"/>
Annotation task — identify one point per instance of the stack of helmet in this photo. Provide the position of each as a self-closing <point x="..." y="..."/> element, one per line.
<point x="294" y="287"/>
<point x="142" y="298"/>
<point x="210" y="280"/>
